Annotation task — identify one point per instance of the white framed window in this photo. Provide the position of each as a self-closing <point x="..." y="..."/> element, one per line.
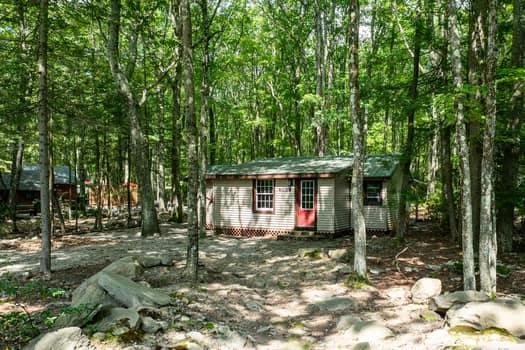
<point x="263" y="195"/>
<point x="372" y="192"/>
<point x="307" y="194"/>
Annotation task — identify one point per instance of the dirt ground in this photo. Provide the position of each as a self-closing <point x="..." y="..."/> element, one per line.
<point x="263" y="289"/>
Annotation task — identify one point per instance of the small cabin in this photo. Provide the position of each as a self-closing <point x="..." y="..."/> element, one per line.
<point x="28" y="193"/>
<point x="279" y="196"/>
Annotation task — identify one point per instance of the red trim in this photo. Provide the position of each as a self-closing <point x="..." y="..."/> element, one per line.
<point x="298" y="195"/>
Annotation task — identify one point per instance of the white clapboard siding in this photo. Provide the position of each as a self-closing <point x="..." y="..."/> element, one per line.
<point x="342" y="203"/>
<point x="378" y="217"/>
<point x="325" y="209"/>
<point x="232" y="206"/>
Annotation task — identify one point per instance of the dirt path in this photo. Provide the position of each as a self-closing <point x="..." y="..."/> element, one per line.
<point x="264" y="293"/>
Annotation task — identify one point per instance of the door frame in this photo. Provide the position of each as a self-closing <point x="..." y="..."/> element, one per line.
<point x="297" y="203"/>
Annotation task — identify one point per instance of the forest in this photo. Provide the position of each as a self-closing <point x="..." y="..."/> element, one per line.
<point x="137" y="99"/>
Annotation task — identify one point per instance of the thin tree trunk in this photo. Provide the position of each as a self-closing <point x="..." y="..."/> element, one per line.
<point x="150" y="223"/>
<point x="358" y="137"/>
<point x="487" y="233"/>
<point x="192" y="258"/>
<point x="406" y="160"/>
<point x="43" y="131"/>
<point x="177" y="202"/>
<point x="469" y="280"/>
<point x="98" y="185"/>
<point x="319" y="123"/>
<point x="205" y="92"/>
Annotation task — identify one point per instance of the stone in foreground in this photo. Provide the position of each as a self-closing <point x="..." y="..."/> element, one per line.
<point x="442" y="303"/>
<point x="424" y="289"/>
<point x="506" y="314"/>
<point x="332" y="305"/>
<point x="131" y="294"/>
<point x="70" y="338"/>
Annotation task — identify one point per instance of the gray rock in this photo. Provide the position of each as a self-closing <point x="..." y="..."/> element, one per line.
<point x="332" y="305"/>
<point x="131" y="294"/>
<point x="429" y="315"/>
<point x="313" y="253"/>
<point x="365" y="331"/>
<point x="118" y="317"/>
<point x="424" y="289"/>
<point x="362" y="346"/>
<point x="346" y="322"/>
<point x="70" y="338"/>
<point x="442" y="303"/>
<point x="507" y="314"/>
<point x="149" y="261"/>
<point x="338" y="254"/>
<point x="253" y="306"/>
<point x="81" y="316"/>
<point x="150" y="325"/>
<point x="166" y="259"/>
<point x="89" y="291"/>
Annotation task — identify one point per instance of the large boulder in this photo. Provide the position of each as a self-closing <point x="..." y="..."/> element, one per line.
<point x="70" y="338"/>
<point x="507" y="314"/>
<point x="131" y="294"/>
<point x="424" y="289"/>
<point x="364" y="331"/>
<point x="89" y="291"/>
<point x="442" y="303"/>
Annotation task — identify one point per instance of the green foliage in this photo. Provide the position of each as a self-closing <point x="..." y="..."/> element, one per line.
<point x="17" y="328"/>
<point x="12" y="288"/>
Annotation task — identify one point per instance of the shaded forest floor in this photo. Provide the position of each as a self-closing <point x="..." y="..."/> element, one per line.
<point x="264" y="291"/>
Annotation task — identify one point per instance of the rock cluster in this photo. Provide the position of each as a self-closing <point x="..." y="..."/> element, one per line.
<point x="112" y="302"/>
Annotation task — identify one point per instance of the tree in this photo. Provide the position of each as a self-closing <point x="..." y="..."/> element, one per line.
<point x="358" y="137"/>
<point x="487" y="233"/>
<point x="43" y="131"/>
<point x="192" y="257"/>
<point x="122" y="78"/>
<point x="469" y="280"/>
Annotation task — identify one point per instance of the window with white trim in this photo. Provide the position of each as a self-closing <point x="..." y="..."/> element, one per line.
<point x="307" y="194"/>
<point x="372" y="192"/>
<point x="264" y="195"/>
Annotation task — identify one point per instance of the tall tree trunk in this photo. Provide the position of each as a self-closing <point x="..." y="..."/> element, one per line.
<point x="161" y="183"/>
<point x="476" y="58"/>
<point x="319" y="122"/>
<point x="192" y="258"/>
<point x="177" y="203"/>
<point x="511" y="149"/>
<point x="150" y="223"/>
<point x="487" y="233"/>
<point x="98" y="185"/>
<point x="205" y="93"/>
<point x="406" y="160"/>
<point x="43" y="131"/>
<point x="358" y="137"/>
<point x="469" y="280"/>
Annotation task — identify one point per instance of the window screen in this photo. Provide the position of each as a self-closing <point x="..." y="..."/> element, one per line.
<point x="307" y="194"/>
<point x="372" y="192"/>
<point x="264" y="195"/>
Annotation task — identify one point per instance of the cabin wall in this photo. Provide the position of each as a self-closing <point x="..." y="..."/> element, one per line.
<point x="342" y="203"/>
<point x="232" y="207"/>
<point x="377" y="217"/>
<point x="393" y="194"/>
<point x="325" y="205"/>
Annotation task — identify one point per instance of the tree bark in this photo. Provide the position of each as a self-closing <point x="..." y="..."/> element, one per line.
<point x="406" y="160"/>
<point x="98" y="185"/>
<point x="469" y="280"/>
<point x="43" y="131"/>
<point x="487" y="233"/>
<point x="319" y="122"/>
<point x="358" y="137"/>
<point x="150" y="223"/>
<point x="177" y="203"/>
<point x="192" y="258"/>
<point x="448" y="187"/>
<point x="205" y="94"/>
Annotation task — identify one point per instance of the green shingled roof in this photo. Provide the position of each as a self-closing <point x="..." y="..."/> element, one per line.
<point x="375" y="166"/>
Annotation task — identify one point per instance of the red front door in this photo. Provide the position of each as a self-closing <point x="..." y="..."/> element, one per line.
<point x="305" y="203"/>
